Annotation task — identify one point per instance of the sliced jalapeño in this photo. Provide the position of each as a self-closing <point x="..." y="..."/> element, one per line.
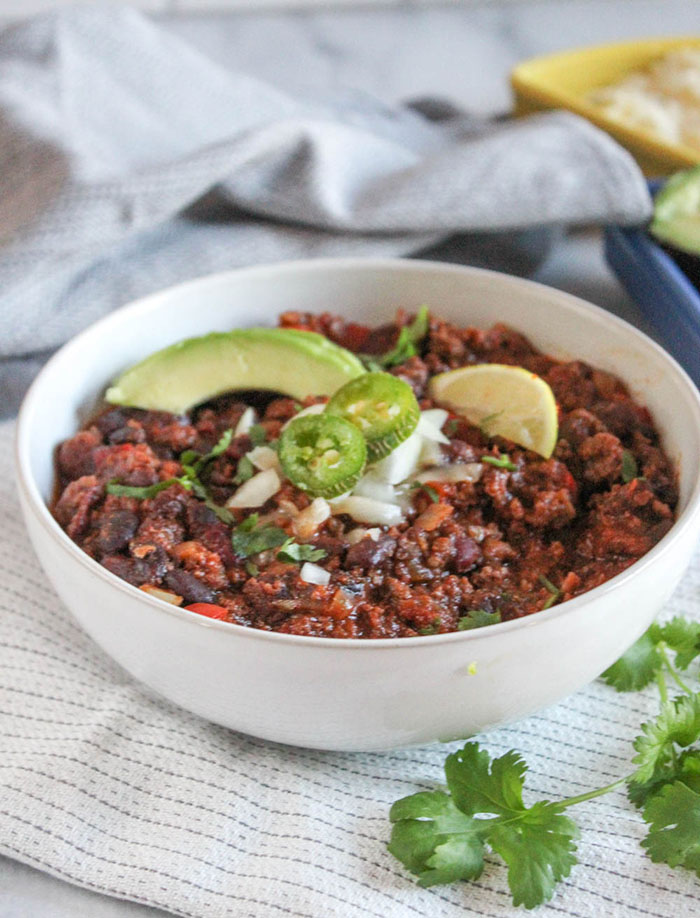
<point x="322" y="454"/>
<point x="382" y="407"/>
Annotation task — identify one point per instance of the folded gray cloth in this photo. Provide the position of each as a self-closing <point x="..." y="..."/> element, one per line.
<point x="130" y="162"/>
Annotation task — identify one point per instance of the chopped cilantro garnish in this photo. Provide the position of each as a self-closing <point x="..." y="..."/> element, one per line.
<point x="477" y="618"/>
<point x="630" y="470"/>
<point x="251" y="568"/>
<point x="245" y="470"/>
<point x="502" y="462"/>
<point x="429" y="490"/>
<point x="192" y="464"/>
<point x="555" y="591"/>
<point x="294" y="553"/>
<point x="143" y="493"/>
<point x="432" y="628"/>
<point x="250" y="539"/>
<point x="258" y="435"/>
<point x="406" y="345"/>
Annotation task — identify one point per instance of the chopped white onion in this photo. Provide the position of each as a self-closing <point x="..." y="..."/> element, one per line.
<point x="245" y="422"/>
<point x="460" y="471"/>
<point x="357" y="535"/>
<point x="312" y="573"/>
<point x="367" y="510"/>
<point x="312" y="409"/>
<point x="402" y="462"/>
<point x="430" y="424"/>
<point x="431" y="453"/>
<point x="310" y="518"/>
<point x="256" y="491"/>
<point x="264" y="457"/>
<point x="165" y="595"/>
<point x="370" y="485"/>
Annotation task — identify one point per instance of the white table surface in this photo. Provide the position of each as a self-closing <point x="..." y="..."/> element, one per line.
<point x="464" y="53"/>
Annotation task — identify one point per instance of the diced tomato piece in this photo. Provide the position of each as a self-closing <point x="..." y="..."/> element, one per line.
<point x="209" y="609"/>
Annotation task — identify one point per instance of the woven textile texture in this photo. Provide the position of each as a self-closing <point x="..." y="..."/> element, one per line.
<point x="130" y="162"/>
<point x="108" y="787"/>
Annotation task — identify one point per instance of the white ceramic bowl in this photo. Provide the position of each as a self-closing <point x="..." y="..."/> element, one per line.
<point x="353" y="694"/>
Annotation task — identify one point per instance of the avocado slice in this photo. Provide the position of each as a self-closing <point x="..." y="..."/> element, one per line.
<point x="676" y="219"/>
<point x="175" y="379"/>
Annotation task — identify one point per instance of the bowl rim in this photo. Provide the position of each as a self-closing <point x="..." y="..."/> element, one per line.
<point x="39" y="507"/>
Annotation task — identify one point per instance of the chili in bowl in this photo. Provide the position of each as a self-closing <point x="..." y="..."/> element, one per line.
<point x="381" y="511"/>
<point x="318" y="567"/>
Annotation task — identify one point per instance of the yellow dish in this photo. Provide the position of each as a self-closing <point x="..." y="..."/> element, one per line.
<point x="565" y="80"/>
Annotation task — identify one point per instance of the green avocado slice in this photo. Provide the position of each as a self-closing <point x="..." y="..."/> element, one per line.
<point x="677" y="212"/>
<point x="295" y="363"/>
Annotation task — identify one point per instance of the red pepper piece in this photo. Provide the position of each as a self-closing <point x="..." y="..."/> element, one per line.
<point x="209" y="609"/>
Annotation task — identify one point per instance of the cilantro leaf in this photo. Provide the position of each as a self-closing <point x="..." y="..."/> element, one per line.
<point x="294" y="553"/>
<point x="554" y="592"/>
<point x="539" y="850"/>
<point x="406" y="344"/>
<point x="477" y="618"/>
<point x="221" y="446"/>
<point x="480" y="785"/>
<point x="193" y="462"/>
<point x="678" y="723"/>
<point x="674" y="836"/>
<point x="685" y="768"/>
<point x="638" y="666"/>
<point x="683" y="637"/>
<point x="435" y="840"/>
<point x="429" y="490"/>
<point x="629" y="466"/>
<point x="502" y="462"/>
<point x="244" y="471"/>
<point x="143" y="493"/>
<point x="257" y="434"/>
<point x="249" y="523"/>
<point x="201" y="492"/>
<point x="250" y="539"/>
<point x="537" y="843"/>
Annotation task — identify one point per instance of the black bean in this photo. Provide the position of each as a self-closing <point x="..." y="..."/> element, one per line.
<point x="368" y="553"/>
<point x="186" y="585"/>
<point x="130" y="433"/>
<point x="134" y="570"/>
<point x="115" y="530"/>
<point x="467" y="553"/>
<point x="111" y="420"/>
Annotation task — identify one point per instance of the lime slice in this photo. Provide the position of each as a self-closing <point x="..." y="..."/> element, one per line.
<point x="504" y="401"/>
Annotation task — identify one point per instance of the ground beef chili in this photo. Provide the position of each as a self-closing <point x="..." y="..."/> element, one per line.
<point x="498" y="545"/>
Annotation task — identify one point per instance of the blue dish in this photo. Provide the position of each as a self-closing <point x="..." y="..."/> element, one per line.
<point x="662" y="291"/>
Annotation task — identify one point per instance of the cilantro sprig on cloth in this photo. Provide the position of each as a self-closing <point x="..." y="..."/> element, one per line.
<point x="445" y="835"/>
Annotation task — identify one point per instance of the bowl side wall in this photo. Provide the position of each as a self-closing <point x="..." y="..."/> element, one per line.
<point x="373" y="698"/>
<point x="381" y="694"/>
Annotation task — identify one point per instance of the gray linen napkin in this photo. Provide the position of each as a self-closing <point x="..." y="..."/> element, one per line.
<point x="129" y="162"/>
